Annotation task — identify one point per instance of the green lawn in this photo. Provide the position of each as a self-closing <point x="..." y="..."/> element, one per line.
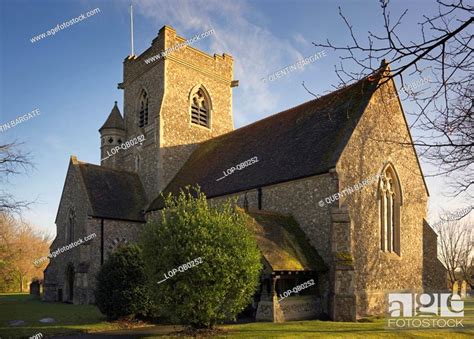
<point x="372" y="328"/>
<point x="328" y="329"/>
<point x="86" y="318"/>
<point x="70" y="318"/>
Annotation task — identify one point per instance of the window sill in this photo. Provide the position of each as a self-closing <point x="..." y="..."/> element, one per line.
<point x="148" y="127"/>
<point x="201" y="127"/>
<point x="391" y="255"/>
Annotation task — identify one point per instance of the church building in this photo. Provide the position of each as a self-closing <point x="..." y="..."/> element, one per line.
<point x="317" y="212"/>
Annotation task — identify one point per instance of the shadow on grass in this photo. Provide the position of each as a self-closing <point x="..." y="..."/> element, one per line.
<point x="72" y="320"/>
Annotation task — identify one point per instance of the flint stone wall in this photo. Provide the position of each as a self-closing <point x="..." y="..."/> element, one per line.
<point x="378" y="139"/>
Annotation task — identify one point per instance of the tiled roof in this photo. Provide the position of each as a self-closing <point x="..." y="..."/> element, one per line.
<point x="114" y="120"/>
<point x="283" y="243"/>
<point x="299" y="142"/>
<point x="113" y="194"/>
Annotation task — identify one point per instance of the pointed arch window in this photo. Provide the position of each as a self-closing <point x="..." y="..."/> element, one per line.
<point x="137" y="163"/>
<point x="143" y="112"/>
<point x="71" y="225"/>
<point x="390" y="200"/>
<point x="200" y="107"/>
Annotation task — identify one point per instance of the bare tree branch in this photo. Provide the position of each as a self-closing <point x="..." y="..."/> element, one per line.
<point x="443" y="121"/>
<point x="13" y="161"/>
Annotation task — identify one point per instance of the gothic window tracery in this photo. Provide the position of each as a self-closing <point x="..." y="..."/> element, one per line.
<point x="200" y="108"/>
<point x="389" y="201"/>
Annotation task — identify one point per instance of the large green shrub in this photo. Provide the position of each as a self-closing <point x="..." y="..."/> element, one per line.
<point x="121" y="285"/>
<point x="214" y="290"/>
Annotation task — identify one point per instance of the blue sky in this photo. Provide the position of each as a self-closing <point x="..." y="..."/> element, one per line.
<point x="72" y="77"/>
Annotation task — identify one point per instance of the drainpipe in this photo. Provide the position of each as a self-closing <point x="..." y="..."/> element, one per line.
<point x="102" y="241"/>
<point x="259" y="198"/>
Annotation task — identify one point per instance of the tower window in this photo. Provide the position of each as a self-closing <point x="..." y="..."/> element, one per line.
<point x="143" y="114"/>
<point x="70" y="226"/>
<point x="200" y="108"/>
<point x="111" y="140"/>
<point x="389" y="202"/>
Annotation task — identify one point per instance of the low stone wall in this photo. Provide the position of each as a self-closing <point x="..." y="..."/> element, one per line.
<point x="301" y="308"/>
<point x="289" y="309"/>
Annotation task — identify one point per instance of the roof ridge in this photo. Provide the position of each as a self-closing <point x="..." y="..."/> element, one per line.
<point x="107" y="168"/>
<point x="288" y="110"/>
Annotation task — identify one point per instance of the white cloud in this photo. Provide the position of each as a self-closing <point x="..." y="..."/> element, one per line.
<point x="256" y="51"/>
<point x="300" y="39"/>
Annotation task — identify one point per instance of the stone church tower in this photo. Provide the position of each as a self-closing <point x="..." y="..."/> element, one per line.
<point x="176" y="102"/>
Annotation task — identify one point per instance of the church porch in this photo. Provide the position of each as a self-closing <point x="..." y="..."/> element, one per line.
<point x="290" y="281"/>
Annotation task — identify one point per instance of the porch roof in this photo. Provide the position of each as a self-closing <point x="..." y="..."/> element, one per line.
<point x="283" y="243"/>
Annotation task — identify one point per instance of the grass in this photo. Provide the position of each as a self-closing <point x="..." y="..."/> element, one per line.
<point x="69" y="318"/>
<point x="370" y="328"/>
<point x="86" y="318"/>
<point x="328" y="329"/>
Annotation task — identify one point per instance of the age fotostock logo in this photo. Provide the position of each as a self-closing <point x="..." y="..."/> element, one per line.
<point x="409" y="310"/>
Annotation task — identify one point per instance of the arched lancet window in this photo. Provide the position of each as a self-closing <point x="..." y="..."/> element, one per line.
<point x="200" y="107"/>
<point x="137" y="163"/>
<point x="143" y="111"/>
<point x="70" y="226"/>
<point x="390" y="200"/>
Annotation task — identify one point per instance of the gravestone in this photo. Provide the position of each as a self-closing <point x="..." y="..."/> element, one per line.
<point x="463" y="289"/>
<point x="47" y="320"/>
<point x="16" y="323"/>
<point x="35" y="288"/>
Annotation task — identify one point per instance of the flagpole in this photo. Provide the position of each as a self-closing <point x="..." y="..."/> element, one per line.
<point x="131" y="28"/>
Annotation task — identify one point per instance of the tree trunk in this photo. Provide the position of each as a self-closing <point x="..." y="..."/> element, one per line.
<point x="21" y="283"/>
